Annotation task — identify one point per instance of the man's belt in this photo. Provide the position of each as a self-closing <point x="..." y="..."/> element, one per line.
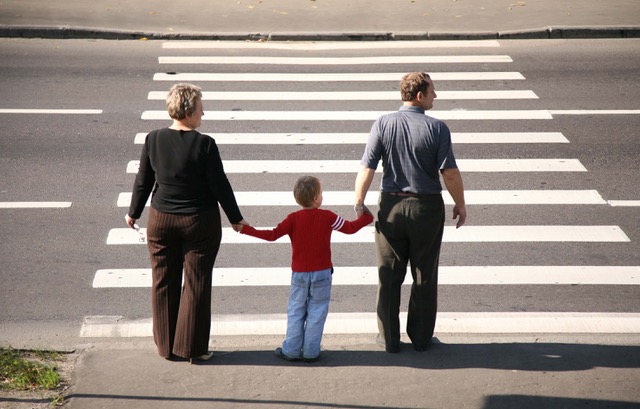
<point x="409" y="194"/>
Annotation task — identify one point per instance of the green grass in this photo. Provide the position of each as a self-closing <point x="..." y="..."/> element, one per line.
<point x="28" y="370"/>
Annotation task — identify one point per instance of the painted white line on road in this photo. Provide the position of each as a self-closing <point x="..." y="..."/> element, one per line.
<point x="332" y="77"/>
<point x="520" y="165"/>
<point x="349" y="96"/>
<point x="352" y="166"/>
<point x="508" y="137"/>
<point x="328" y="45"/>
<point x="133" y="166"/>
<point x="52" y="111"/>
<point x="396" y="59"/>
<point x="346" y="166"/>
<point x="447" y="275"/>
<point x="624" y="203"/>
<point x="476" y="234"/>
<point x="365" y="323"/>
<point x="466" y="234"/>
<point x="361" y="138"/>
<point x="34" y="205"/>
<point x="472" y="197"/>
<point x="351" y="115"/>
<point x="124" y="199"/>
<point x="595" y="111"/>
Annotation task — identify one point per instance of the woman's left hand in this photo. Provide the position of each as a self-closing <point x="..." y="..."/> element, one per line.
<point x="238" y="227"/>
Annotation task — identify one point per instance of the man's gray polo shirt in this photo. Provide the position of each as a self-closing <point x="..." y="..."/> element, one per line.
<point x="413" y="147"/>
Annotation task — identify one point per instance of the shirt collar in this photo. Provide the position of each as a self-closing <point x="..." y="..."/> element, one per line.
<point x="412" y="108"/>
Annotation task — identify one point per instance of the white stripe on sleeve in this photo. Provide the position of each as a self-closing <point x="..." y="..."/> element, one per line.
<point x="337" y="225"/>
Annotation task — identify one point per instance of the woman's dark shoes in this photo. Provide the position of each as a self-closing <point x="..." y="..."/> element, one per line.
<point x="201" y="358"/>
<point x="175" y="358"/>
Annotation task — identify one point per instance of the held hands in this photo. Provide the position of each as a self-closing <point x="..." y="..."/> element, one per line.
<point x="361" y="209"/>
<point x="238" y="226"/>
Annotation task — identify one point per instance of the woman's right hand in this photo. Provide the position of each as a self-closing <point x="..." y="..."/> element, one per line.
<point x="131" y="222"/>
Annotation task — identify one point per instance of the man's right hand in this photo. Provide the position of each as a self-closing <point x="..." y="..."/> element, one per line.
<point x="460" y="213"/>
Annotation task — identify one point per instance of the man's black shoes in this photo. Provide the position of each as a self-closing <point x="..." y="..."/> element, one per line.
<point x="392" y="349"/>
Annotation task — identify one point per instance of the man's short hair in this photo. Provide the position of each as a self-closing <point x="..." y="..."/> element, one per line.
<point x="306" y="190"/>
<point x="413" y="83"/>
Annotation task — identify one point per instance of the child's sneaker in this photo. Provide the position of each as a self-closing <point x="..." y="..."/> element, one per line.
<point x="278" y="352"/>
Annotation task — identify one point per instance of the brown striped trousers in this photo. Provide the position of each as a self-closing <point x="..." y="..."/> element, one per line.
<point x="177" y="243"/>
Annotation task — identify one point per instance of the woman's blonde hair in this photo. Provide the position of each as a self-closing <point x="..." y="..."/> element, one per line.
<point x="306" y="189"/>
<point x="182" y="100"/>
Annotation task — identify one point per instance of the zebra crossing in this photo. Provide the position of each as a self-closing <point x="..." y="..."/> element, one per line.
<point x="364" y="321"/>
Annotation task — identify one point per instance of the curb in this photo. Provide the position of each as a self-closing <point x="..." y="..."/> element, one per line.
<point x="552" y="32"/>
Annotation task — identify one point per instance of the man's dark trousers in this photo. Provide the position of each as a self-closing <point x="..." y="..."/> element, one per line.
<point x="408" y="230"/>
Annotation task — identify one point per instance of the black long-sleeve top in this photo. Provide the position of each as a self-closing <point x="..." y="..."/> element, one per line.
<point x="185" y="172"/>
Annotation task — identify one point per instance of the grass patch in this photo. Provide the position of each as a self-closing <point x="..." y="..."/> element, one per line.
<point x="28" y="370"/>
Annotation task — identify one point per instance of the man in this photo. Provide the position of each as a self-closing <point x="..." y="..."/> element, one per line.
<point x="415" y="149"/>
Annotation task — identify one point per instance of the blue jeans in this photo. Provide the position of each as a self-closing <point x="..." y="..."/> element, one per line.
<point x="307" y="313"/>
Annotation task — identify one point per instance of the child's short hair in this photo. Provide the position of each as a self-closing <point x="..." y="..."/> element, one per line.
<point x="305" y="190"/>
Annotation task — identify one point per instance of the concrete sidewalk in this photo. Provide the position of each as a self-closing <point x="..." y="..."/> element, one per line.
<point x="353" y="373"/>
<point x="320" y="19"/>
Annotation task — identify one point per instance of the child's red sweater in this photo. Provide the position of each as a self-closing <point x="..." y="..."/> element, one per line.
<point x="310" y="232"/>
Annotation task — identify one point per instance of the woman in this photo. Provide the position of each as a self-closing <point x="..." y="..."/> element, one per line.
<point x="184" y="169"/>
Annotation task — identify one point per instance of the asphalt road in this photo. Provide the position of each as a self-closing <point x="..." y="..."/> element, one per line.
<point x="49" y="257"/>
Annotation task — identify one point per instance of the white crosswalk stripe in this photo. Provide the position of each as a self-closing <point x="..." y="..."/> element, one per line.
<point x="472" y="197"/>
<point x="455" y="115"/>
<point x="470" y="234"/>
<point x="625" y="203"/>
<point x="33" y="205"/>
<point x="361" y="138"/>
<point x="365" y="322"/>
<point x="332" y="77"/>
<point x="349" y="96"/>
<point x="462" y="115"/>
<point x="447" y="275"/>
<point x="352" y="166"/>
<point x="419" y="59"/>
<point x="50" y="111"/>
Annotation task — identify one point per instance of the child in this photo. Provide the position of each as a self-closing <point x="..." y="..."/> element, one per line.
<point x="310" y="232"/>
